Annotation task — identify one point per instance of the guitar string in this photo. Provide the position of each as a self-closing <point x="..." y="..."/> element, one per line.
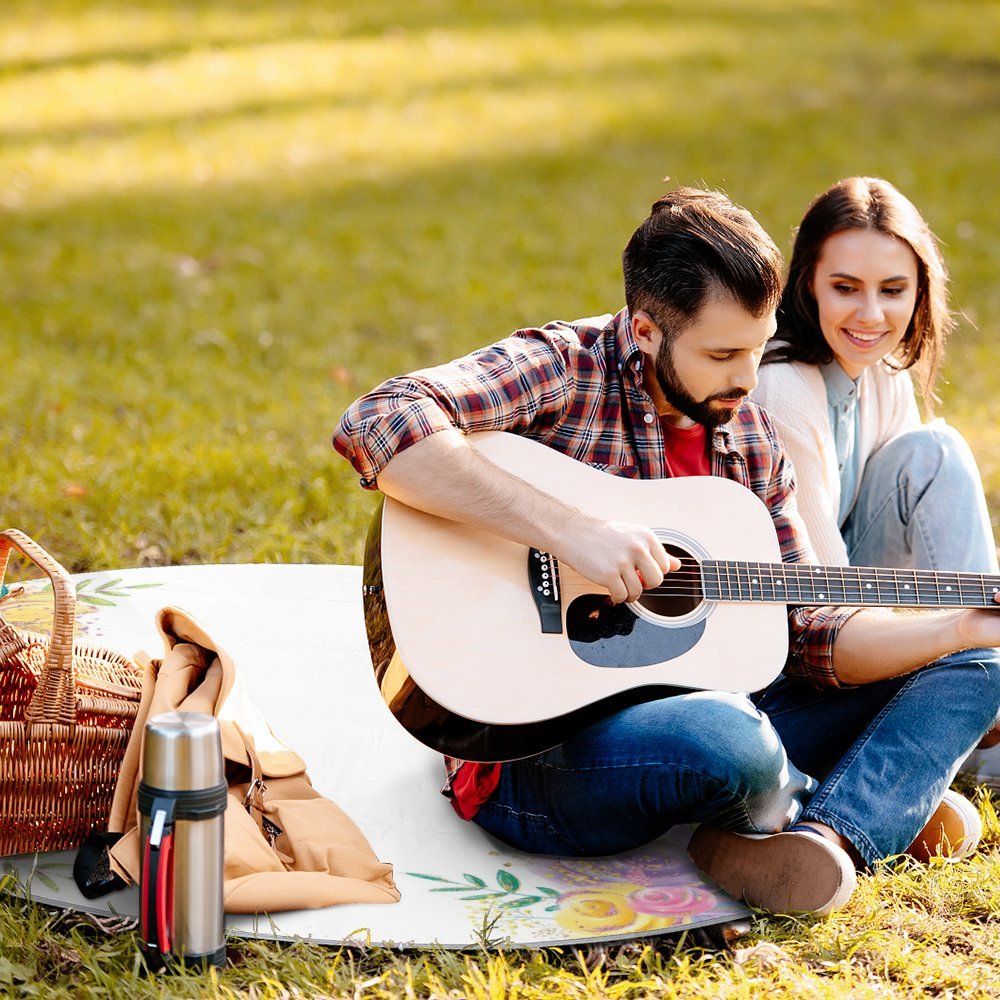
<point x="688" y="581"/>
<point x="813" y="579"/>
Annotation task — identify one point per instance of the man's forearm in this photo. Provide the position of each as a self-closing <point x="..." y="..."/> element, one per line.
<point x="444" y="475"/>
<point x="878" y="643"/>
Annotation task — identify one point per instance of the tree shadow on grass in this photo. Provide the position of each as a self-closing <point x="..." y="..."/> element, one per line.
<point x="228" y="25"/>
<point x="178" y="355"/>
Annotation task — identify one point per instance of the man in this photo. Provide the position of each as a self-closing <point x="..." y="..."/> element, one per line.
<point x="660" y="390"/>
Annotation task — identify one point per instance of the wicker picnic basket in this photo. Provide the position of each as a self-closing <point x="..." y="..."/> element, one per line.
<point x="66" y="712"/>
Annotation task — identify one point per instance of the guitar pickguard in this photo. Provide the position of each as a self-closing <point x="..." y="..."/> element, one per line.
<point x="613" y="635"/>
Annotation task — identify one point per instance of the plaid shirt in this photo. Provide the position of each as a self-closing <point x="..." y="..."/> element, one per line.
<point x="577" y="387"/>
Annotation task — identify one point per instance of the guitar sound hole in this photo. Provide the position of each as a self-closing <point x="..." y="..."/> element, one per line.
<point x="680" y="593"/>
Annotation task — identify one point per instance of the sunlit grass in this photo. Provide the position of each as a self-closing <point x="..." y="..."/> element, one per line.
<point x="216" y="219"/>
<point x="219" y="222"/>
<point x="911" y="932"/>
<point x="355" y="106"/>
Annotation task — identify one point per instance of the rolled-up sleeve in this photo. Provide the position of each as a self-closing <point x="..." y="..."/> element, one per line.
<point x="386" y="421"/>
<point x="812" y="632"/>
<point x="515" y="384"/>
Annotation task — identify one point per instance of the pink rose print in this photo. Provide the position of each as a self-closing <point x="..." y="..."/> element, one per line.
<point x="665" y="900"/>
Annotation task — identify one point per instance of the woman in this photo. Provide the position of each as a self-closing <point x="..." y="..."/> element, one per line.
<point x="865" y="305"/>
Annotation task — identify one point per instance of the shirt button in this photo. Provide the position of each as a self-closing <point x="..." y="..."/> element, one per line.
<point x="648" y="418"/>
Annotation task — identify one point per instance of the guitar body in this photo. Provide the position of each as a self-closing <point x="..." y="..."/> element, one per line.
<point x="457" y="633"/>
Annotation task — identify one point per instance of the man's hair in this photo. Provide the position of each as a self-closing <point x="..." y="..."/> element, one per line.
<point x="874" y="204"/>
<point x="693" y="245"/>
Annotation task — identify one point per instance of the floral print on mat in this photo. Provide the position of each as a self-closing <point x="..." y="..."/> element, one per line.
<point x="33" y="608"/>
<point x="633" y="893"/>
<point x="627" y="908"/>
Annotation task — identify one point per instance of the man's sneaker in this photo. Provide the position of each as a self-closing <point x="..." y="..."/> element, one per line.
<point x="953" y="831"/>
<point x="789" y="872"/>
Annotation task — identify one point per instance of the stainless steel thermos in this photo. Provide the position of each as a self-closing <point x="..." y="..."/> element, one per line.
<point x="182" y="801"/>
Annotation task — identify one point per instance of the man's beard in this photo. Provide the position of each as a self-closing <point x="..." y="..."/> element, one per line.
<point x="680" y="399"/>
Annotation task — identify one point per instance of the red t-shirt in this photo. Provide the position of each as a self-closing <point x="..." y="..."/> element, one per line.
<point x="686" y="455"/>
<point x="686" y="450"/>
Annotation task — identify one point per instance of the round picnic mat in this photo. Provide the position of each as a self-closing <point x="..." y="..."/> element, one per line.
<point x="297" y="636"/>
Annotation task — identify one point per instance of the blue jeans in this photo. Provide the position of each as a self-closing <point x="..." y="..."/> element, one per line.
<point x="885" y="753"/>
<point x="921" y="506"/>
<point x="697" y="756"/>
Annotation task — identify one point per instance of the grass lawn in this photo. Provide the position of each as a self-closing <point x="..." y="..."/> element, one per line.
<point x="221" y="221"/>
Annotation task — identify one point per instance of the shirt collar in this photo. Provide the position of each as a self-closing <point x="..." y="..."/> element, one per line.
<point x="840" y="387"/>
<point x="722" y="440"/>
<point x="632" y="360"/>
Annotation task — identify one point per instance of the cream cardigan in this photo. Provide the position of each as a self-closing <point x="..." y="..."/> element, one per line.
<point x="794" y="395"/>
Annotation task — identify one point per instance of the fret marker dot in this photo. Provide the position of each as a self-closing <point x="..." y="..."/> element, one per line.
<point x="947" y="588"/>
<point x="753" y="579"/>
<point x="823" y="596"/>
<point x="906" y="586"/>
<point x="868" y="586"/>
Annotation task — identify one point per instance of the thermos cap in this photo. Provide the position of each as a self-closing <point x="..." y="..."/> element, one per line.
<point x="182" y="752"/>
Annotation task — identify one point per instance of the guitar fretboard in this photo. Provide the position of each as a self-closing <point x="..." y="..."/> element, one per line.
<point x="791" y="583"/>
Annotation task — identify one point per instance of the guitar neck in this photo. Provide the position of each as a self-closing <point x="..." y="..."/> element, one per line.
<point x="801" y="583"/>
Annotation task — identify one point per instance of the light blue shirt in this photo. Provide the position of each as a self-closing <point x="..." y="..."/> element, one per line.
<point x="842" y="402"/>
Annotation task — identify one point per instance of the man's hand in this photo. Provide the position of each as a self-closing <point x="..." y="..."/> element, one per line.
<point x="443" y="475"/>
<point x="624" y="558"/>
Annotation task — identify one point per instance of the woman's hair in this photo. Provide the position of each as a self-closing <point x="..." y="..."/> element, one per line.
<point x="866" y="203"/>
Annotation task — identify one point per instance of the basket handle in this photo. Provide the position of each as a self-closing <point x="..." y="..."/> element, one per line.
<point x="54" y="700"/>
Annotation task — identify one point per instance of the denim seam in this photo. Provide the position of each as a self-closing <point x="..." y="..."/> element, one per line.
<point x="815" y="809"/>
<point x="893" y="497"/>
<point x="820" y="696"/>
<point x="540" y="818"/>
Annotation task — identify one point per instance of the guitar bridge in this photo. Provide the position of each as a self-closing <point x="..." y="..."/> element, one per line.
<point x="543" y="578"/>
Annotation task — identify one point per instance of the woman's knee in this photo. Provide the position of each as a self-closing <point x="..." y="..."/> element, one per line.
<point x="927" y="452"/>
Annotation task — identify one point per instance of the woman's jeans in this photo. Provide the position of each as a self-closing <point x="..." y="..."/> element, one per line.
<point x="885" y="752"/>
<point x="872" y="761"/>
<point x="921" y="506"/>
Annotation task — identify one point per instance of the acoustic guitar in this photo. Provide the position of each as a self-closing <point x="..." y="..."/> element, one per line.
<point x="487" y="650"/>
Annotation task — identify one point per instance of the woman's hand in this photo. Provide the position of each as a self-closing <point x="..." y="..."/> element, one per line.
<point x="980" y="627"/>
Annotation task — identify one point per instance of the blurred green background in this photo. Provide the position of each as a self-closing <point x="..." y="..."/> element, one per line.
<point x="222" y="221"/>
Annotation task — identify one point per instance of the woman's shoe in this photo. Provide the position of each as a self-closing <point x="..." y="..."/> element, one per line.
<point x="953" y="831"/>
